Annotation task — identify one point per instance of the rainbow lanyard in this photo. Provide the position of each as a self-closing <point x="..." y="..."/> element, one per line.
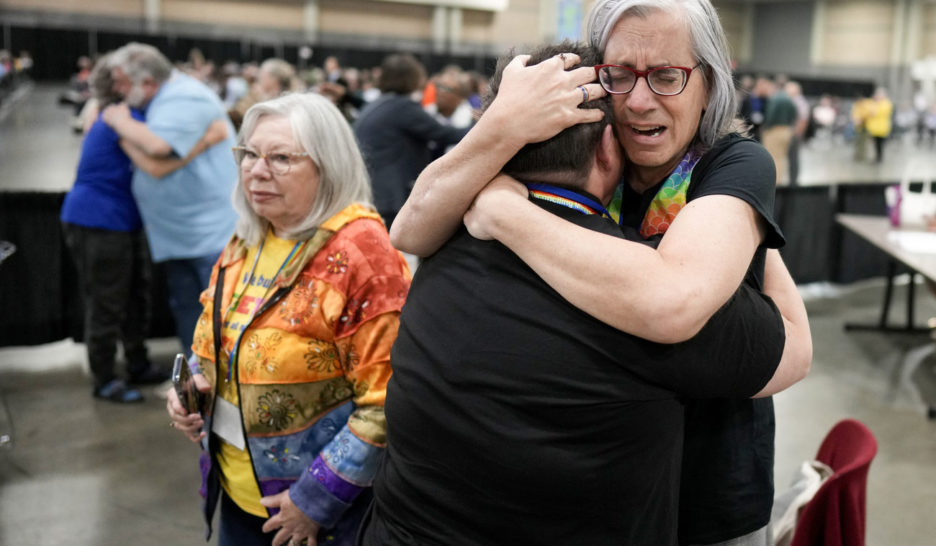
<point x="568" y="198"/>
<point x="236" y="302"/>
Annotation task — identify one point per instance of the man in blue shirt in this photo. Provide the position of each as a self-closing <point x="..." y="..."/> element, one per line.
<point x="187" y="213"/>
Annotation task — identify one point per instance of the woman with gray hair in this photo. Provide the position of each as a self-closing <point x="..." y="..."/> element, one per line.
<point x="690" y="174"/>
<point x="293" y="346"/>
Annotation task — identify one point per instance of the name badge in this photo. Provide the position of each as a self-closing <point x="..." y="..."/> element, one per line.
<point x="227" y="423"/>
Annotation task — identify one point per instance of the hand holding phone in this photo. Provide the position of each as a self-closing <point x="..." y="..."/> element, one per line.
<point x="184" y="385"/>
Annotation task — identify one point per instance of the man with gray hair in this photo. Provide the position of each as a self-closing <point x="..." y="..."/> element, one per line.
<point x="187" y="213"/>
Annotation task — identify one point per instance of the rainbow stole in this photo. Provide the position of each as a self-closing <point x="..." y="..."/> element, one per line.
<point x="670" y="199"/>
<point x="667" y="202"/>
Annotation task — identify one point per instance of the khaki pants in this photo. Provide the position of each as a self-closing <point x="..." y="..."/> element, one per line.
<point x="777" y="141"/>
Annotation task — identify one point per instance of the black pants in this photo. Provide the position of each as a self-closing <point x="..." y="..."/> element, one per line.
<point x="879" y="148"/>
<point x="114" y="273"/>
<point x="238" y="528"/>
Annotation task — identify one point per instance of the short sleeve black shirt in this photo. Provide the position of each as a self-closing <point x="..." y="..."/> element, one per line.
<point x="727" y="484"/>
<point x="515" y="418"/>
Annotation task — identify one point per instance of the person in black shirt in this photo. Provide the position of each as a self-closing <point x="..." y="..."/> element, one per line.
<point x="397" y="136"/>
<point x="696" y="179"/>
<point x="515" y="418"/>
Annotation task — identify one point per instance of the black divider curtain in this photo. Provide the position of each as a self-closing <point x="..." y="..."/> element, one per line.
<point x="39" y="297"/>
<point x="817" y="248"/>
<point x="56" y="50"/>
<point x="859" y="259"/>
<point x="38" y="292"/>
<point x="40" y="301"/>
<point x="807" y="219"/>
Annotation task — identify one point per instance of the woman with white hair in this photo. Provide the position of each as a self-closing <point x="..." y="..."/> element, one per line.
<point x="293" y="346"/>
<point x="690" y="174"/>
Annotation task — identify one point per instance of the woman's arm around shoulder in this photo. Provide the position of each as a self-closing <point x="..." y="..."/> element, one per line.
<point x="160" y="167"/>
<point x="664" y="295"/>
<point x="136" y="132"/>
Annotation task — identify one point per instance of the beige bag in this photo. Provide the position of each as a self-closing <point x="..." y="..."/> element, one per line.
<point x="916" y="208"/>
<point x="787" y="505"/>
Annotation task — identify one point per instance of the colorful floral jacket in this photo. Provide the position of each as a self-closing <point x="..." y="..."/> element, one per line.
<point x="313" y="364"/>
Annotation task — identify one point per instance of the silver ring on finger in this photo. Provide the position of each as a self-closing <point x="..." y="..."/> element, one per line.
<point x="584" y="94"/>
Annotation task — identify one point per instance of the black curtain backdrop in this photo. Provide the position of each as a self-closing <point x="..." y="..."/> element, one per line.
<point x="818" y="249"/>
<point x="39" y="297"/>
<point x="40" y="301"/>
<point x="56" y="51"/>
<point x="808" y="223"/>
<point x="37" y="293"/>
<point x="859" y="259"/>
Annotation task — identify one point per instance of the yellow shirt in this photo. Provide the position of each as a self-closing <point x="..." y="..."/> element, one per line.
<point x="237" y="475"/>
<point x="878" y="122"/>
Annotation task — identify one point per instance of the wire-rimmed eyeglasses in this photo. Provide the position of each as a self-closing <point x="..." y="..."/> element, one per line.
<point x="278" y="162"/>
<point x="663" y="80"/>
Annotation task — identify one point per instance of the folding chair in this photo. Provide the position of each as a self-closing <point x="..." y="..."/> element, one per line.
<point x="836" y="514"/>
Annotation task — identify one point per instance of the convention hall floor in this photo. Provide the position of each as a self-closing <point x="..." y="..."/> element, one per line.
<point x="85" y="472"/>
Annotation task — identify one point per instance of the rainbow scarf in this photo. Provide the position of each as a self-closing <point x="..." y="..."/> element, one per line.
<point x="667" y="202"/>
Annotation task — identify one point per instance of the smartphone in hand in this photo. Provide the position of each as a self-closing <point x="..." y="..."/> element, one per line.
<point x="184" y="385"/>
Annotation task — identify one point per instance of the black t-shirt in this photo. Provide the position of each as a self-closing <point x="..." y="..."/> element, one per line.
<point x="735" y="166"/>
<point x="515" y="418"/>
<point x="727" y="482"/>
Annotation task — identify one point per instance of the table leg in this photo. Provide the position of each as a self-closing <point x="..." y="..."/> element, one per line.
<point x="888" y="293"/>
<point x="882" y="325"/>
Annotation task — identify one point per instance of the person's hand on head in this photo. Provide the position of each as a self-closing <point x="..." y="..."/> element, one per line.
<point x="294" y="526"/>
<point x="190" y="424"/>
<point x="539" y="101"/>
<point x="115" y="113"/>
<point x="493" y="205"/>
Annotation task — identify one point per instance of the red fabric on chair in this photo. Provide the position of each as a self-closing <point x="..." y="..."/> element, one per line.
<point x="836" y="514"/>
